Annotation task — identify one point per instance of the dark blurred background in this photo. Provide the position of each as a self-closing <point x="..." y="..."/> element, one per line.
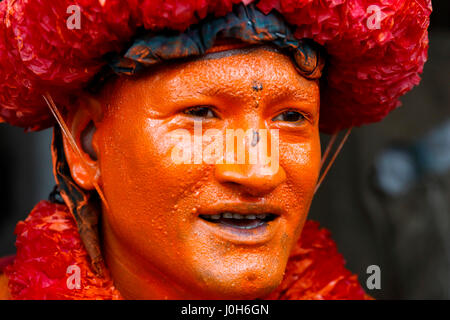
<point x="386" y="200"/>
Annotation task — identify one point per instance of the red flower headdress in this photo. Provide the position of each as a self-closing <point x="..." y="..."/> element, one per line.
<point x="371" y="62"/>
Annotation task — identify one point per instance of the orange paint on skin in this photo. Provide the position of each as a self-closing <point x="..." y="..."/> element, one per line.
<point x="155" y="244"/>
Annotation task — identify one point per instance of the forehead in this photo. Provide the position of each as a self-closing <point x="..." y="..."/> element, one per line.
<point x="234" y="74"/>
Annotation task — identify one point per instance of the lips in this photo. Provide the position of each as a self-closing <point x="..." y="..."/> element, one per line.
<point x="240" y="221"/>
<point x="242" y="217"/>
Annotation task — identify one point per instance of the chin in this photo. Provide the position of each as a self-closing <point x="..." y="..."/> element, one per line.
<point x="244" y="280"/>
<point x="244" y="289"/>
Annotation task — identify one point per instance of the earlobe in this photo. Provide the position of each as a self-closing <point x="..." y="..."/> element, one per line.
<point x="80" y="154"/>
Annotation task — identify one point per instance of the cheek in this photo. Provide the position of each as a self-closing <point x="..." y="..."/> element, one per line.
<point x="301" y="161"/>
<point x="142" y="183"/>
<point x="138" y="156"/>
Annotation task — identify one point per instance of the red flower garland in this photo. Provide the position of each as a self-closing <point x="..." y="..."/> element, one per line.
<point x="369" y="68"/>
<point x="48" y="242"/>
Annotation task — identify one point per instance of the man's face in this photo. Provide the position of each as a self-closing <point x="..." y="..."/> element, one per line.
<point x="207" y="228"/>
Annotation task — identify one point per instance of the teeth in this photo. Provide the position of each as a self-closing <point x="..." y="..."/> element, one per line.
<point x="230" y="215"/>
<point x="227" y="215"/>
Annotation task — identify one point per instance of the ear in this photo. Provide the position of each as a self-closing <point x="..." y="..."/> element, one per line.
<point x="82" y="159"/>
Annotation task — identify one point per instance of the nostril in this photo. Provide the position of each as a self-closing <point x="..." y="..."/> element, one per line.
<point x="229" y="174"/>
<point x="233" y="184"/>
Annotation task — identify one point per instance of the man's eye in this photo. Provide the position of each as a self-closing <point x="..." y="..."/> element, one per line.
<point x="201" y="112"/>
<point x="289" y="116"/>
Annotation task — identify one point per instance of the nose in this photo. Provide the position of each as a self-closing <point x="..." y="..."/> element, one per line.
<point x="255" y="180"/>
<point x="247" y="165"/>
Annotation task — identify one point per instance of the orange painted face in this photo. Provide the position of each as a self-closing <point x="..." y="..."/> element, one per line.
<point x="206" y="229"/>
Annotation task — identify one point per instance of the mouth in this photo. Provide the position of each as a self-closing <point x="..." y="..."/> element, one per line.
<point x="240" y="221"/>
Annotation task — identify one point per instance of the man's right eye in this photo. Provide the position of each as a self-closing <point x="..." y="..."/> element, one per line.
<point x="201" y="112"/>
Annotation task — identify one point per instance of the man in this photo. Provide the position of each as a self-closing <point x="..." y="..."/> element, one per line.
<point x="238" y="97"/>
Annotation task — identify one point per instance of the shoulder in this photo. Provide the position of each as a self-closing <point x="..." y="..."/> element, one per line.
<point x="48" y="243"/>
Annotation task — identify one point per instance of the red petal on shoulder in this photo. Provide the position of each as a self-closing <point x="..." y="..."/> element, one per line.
<point x="47" y="245"/>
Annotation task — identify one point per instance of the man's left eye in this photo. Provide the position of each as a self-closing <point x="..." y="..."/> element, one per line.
<point x="289" y="116"/>
<point x="201" y="112"/>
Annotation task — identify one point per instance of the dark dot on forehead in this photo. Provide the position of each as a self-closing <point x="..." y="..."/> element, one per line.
<point x="257" y="86"/>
